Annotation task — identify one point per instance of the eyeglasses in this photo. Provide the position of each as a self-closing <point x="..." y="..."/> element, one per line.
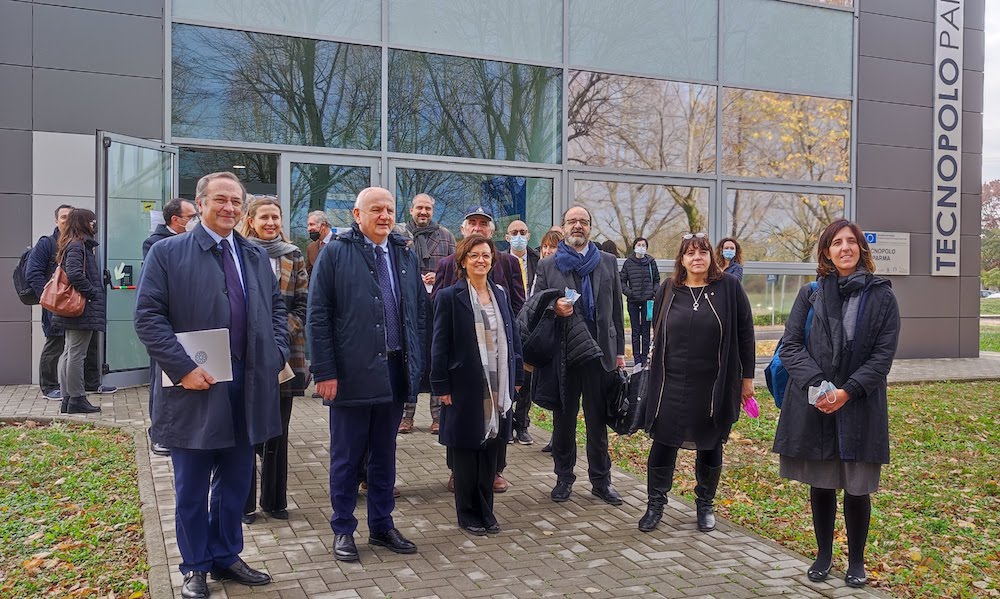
<point x="694" y="235"/>
<point x="518" y="232"/>
<point x="578" y="221"/>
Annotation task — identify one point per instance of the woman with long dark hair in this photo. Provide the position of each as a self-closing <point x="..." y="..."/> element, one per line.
<point x="730" y="257"/>
<point x="262" y="224"/>
<point x="833" y="432"/>
<point x="701" y="368"/>
<point x="640" y="279"/>
<point x="77" y="253"/>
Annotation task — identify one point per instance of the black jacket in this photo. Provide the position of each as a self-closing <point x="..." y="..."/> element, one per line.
<point x="86" y="276"/>
<point x="640" y="278"/>
<point x="345" y="325"/>
<point x="159" y="234"/>
<point x="456" y="367"/>
<point x="862" y="424"/>
<point x="38" y="271"/>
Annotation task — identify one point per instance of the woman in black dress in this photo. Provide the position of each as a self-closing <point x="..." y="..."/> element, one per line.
<point x="701" y="368"/>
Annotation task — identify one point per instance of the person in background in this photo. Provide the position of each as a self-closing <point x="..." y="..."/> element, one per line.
<point x="610" y="247"/>
<point x="833" y="431"/>
<point x="77" y="253"/>
<point x="702" y="365"/>
<point x="262" y="225"/>
<point x="729" y="254"/>
<point x="640" y="279"/>
<point x="320" y="233"/>
<point x="550" y="241"/>
<point x="475" y="369"/>
<point x="518" y="237"/>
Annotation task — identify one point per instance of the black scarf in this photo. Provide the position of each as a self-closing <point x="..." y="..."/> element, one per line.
<point x="836" y="291"/>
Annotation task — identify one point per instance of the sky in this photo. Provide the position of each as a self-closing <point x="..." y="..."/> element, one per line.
<point x="991" y="91"/>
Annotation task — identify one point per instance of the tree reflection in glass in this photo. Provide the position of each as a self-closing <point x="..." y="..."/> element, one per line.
<point x="778" y="226"/>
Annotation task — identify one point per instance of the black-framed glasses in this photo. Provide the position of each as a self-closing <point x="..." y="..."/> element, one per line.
<point x="695" y="235"/>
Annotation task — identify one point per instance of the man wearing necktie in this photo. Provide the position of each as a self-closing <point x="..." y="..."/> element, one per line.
<point x="213" y="278"/>
<point x="367" y="281"/>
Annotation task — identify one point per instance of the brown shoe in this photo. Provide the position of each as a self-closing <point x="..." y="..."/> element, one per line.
<point x="395" y="491"/>
<point x="406" y="426"/>
<point x="500" y="484"/>
<point x="451" y="483"/>
<point x="435" y="426"/>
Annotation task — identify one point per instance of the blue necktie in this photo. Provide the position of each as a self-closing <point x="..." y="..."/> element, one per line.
<point x="237" y="304"/>
<point x="390" y="310"/>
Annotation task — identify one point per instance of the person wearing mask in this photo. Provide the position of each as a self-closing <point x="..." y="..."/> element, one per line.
<point x="518" y="237"/>
<point x="475" y="369"/>
<point x="579" y="265"/>
<point x="320" y="234"/>
<point x="262" y="225"/>
<point x="640" y="279"/>
<point x="729" y="254"/>
<point x="77" y="253"/>
<point x="702" y="365"/>
<point x="833" y="431"/>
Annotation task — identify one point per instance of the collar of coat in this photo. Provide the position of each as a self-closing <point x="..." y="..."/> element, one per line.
<point x="356" y="236"/>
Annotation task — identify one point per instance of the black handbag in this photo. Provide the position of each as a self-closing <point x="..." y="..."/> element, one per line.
<point x="630" y="419"/>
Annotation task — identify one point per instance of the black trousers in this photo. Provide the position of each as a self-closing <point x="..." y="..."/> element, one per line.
<point x="48" y="363"/>
<point x="522" y="404"/>
<point x="273" y="469"/>
<point x="475" y="470"/>
<point x="592" y="382"/>
<point x="640" y="331"/>
<point x="501" y="449"/>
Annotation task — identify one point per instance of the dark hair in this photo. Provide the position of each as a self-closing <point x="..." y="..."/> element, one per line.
<point x="637" y="240"/>
<point x="826" y="266"/>
<point x="62" y="207"/>
<point x="465" y="246"/>
<point x="174" y="208"/>
<point x="704" y="243"/>
<point x="610" y="247"/>
<point x="739" y="250"/>
<point x="79" y="227"/>
<point x="552" y="238"/>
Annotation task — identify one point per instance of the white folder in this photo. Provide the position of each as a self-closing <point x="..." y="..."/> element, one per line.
<point x="210" y="350"/>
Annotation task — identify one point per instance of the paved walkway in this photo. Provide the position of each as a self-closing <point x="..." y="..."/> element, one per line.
<point x="582" y="548"/>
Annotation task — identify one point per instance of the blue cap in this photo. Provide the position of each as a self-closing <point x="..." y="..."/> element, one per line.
<point x="479" y="211"/>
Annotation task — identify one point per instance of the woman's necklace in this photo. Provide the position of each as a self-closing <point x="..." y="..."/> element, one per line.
<point x="697" y="300"/>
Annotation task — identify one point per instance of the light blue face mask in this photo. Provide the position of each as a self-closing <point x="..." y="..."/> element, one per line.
<point x="518" y="242"/>
<point x="728" y="254"/>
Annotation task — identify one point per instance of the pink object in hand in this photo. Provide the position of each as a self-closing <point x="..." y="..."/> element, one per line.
<point x="751" y="407"/>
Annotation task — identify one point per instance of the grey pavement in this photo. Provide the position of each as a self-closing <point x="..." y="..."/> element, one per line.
<point x="581" y="548"/>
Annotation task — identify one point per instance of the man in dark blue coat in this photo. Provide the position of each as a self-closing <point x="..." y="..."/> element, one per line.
<point x="213" y="278"/>
<point x="366" y="335"/>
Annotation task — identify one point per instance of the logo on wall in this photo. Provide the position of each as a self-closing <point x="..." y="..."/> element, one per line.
<point x="946" y="221"/>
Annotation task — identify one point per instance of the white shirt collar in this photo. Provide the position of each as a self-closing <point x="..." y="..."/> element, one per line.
<point x="328" y="237"/>
<point x="384" y="245"/>
<point x="218" y="238"/>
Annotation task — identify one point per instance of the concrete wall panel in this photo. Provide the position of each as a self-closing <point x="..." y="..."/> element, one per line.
<point x="882" y="123"/>
<point x="17" y="222"/>
<point x="909" y="9"/>
<point x="972" y="132"/>
<point x="972" y="86"/>
<point x="888" y="167"/>
<point x="15" y="32"/>
<point x="880" y="36"/>
<point x="64" y="164"/>
<point x="72" y="102"/>
<point x="969" y="297"/>
<point x="15" y="97"/>
<point x="971" y="255"/>
<point x="971" y="210"/>
<point x="148" y="8"/>
<point x="927" y="296"/>
<point x="11" y="308"/>
<point x="968" y="337"/>
<point x="974" y="52"/>
<point x="894" y="81"/>
<point x="15" y="167"/>
<point x="893" y="210"/>
<point x="928" y="337"/>
<point x="15" y="365"/>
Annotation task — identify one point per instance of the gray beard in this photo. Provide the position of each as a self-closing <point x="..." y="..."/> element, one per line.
<point x="577" y="242"/>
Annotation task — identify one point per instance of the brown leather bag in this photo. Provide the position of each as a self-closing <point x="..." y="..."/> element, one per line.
<point x="60" y="297"/>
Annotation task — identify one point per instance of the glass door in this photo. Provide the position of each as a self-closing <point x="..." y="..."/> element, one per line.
<point x="135" y="179"/>
<point x="322" y="182"/>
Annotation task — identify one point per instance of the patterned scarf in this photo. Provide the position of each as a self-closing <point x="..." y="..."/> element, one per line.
<point x="496" y="392"/>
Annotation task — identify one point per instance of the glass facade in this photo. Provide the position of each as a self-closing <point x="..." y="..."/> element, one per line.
<point x="775" y="226"/>
<point x="353" y="19"/>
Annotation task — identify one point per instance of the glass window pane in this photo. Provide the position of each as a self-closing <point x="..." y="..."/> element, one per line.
<point x="632" y="122"/>
<point x="783" y="136"/>
<point x="508" y="197"/>
<point x="771" y="298"/>
<point x="788" y="46"/>
<point x="623" y="212"/>
<point x="242" y="86"/>
<point x="451" y="106"/>
<point x="668" y="38"/>
<point x="329" y="187"/>
<point x="518" y="29"/>
<point x="775" y="226"/>
<point x="258" y="171"/>
<point x="357" y="19"/>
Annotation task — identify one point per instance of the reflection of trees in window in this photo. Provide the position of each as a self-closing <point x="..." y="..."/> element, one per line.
<point x="244" y="86"/>
<point x="325" y="187"/>
<point x="781" y="226"/>
<point x="623" y="212"/>
<point x="785" y="136"/>
<point x="450" y="106"/>
<point x="259" y="173"/>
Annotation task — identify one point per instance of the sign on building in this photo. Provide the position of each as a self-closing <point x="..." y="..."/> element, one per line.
<point x="890" y="251"/>
<point x="947" y="145"/>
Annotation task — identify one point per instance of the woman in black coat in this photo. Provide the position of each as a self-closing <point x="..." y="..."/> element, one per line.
<point x="640" y="278"/>
<point x="701" y="368"/>
<point x="78" y="257"/>
<point x="833" y="432"/>
<point x="475" y="369"/>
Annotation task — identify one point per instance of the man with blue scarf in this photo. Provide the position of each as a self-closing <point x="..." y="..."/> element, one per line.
<point x="580" y="266"/>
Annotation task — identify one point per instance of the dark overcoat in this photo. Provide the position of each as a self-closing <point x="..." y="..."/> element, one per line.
<point x="456" y="365"/>
<point x="160" y="233"/>
<point x="506" y="273"/>
<point x="79" y="262"/>
<point x="38" y="271"/>
<point x="345" y="327"/>
<point x="860" y="429"/>
<point x="183" y="288"/>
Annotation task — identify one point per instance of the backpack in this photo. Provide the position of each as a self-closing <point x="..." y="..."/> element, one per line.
<point x="776" y="374"/>
<point x="21" y="285"/>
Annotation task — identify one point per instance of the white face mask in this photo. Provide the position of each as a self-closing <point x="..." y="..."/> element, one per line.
<point x="191" y="224"/>
<point x="640" y="251"/>
<point x="518" y="242"/>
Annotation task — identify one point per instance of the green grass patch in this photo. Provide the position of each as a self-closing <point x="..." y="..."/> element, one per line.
<point x="935" y="521"/>
<point x="989" y="338"/>
<point x="989" y="307"/>
<point x="70" y="520"/>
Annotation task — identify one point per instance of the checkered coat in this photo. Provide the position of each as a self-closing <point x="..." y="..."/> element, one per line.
<point x="293" y="282"/>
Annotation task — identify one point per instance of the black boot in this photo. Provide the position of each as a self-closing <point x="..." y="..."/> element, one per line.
<point x="660" y="479"/>
<point x="707" y="483"/>
<point x="64" y="405"/>
<point x="80" y="405"/>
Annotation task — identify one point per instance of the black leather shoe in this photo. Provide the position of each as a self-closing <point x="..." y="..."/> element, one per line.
<point x="248" y="518"/>
<point x="855" y="582"/>
<point x="547" y="448"/>
<point x="279" y="514"/>
<point x="80" y="405"/>
<point x="478" y="531"/>
<point x="393" y="541"/>
<point x="162" y="450"/>
<point x="607" y="494"/>
<point x="344" y="548"/>
<point x="195" y="586"/>
<point x="495" y="529"/>
<point x="561" y="492"/>
<point x="242" y="573"/>
<point x="818" y="574"/>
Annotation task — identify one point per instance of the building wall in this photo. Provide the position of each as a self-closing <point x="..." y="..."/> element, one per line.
<point x="67" y="69"/>
<point x="894" y="166"/>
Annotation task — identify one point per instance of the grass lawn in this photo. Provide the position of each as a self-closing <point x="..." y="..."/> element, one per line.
<point x="989" y="336"/>
<point x="935" y="521"/>
<point x="70" y="522"/>
<point x="989" y="306"/>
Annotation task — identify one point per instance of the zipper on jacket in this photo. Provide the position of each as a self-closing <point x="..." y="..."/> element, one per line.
<point x="663" y="380"/>
<point x="718" y="363"/>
